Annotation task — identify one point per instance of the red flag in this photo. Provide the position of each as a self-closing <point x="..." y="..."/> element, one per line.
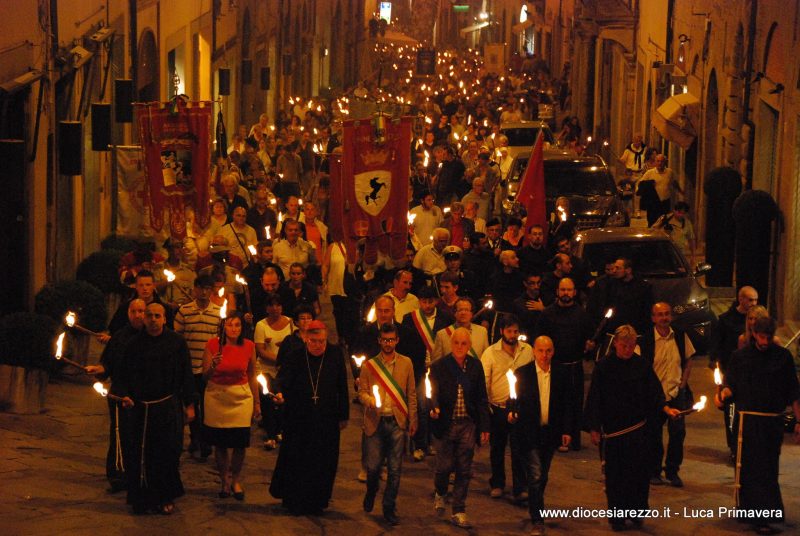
<point x="175" y="143"/>
<point x="531" y="193"/>
<point x="372" y="193"/>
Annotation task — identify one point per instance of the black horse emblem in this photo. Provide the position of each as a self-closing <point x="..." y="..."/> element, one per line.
<point x="376" y="187"/>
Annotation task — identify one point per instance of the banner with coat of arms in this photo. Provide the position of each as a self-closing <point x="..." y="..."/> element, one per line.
<point x="175" y="138"/>
<point x="369" y="188"/>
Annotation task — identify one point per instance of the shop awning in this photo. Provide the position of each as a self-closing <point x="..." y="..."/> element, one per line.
<point x="473" y="28"/>
<point x="522" y="26"/>
<point x="398" y="38"/>
<point x="678" y="118"/>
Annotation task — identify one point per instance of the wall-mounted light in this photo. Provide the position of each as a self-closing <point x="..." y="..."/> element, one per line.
<point x="683" y="38"/>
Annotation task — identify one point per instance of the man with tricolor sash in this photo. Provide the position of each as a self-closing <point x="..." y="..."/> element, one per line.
<point x="422" y="326"/>
<point x="478" y="334"/>
<point x="388" y="393"/>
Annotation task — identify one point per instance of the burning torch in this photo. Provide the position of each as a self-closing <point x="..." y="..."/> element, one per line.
<point x="511" y="405"/>
<point x="70" y="321"/>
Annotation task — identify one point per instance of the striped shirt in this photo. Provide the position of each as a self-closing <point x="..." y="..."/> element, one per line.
<point x="197" y="327"/>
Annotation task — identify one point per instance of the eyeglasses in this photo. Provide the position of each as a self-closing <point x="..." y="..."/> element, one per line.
<point x="388" y="339"/>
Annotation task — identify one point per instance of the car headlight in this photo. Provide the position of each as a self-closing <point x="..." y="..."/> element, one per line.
<point x="689" y="307"/>
<point x="616" y="220"/>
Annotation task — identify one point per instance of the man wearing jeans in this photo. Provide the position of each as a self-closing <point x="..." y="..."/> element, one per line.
<point x="387" y="392"/>
<point x="460" y="419"/>
<point x="542" y="411"/>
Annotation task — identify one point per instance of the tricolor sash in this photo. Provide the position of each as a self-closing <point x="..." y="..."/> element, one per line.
<point x="389" y="385"/>
<point x="451" y="329"/>
<point x="424" y="329"/>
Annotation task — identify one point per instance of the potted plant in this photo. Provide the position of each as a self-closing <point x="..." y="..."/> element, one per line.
<point x="26" y="359"/>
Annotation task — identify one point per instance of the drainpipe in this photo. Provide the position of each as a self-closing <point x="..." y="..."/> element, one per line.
<point x="748" y="69"/>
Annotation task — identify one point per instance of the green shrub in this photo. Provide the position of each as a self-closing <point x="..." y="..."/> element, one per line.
<point x="28" y="340"/>
<point x="83" y="298"/>
<point x="101" y="269"/>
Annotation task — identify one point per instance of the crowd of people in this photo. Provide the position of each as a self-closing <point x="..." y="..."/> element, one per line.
<point x="480" y="303"/>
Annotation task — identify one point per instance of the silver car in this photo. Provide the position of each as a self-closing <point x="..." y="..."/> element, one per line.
<point x="657" y="260"/>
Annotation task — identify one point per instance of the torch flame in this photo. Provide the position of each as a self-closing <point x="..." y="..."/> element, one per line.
<point x="589" y="139"/>
<point x="700" y="405"/>
<point x="241" y="280"/>
<point x="221" y="292"/>
<point x="223" y="311"/>
<point x="489" y="304"/>
<point x="717" y="376"/>
<point x="268" y="234"/>
<point x="446" y="210"/>
<point x="609" y="313"/>
<point x="522" y="338"/>
<point x="252" y="249"/>
<point x="262" y="380"/>
<point x="562" y="214"/>
<point x="169" y="275"/>
<point x="280" y="217"/>
<point x="428" y="387"/>
<point x="60" y="345"/>
<point x="69" y="320"/>
<point x="371" y="316"/>
<point x="377" y="396"/>
<point x="411" y="218"/>
<point x="512" y="384"/>
<point x="273" y="201"/>
<point x="101" y="390"/>
<point x="359" y="359"/>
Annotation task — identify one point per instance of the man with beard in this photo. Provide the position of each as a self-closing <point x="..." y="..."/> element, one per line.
<point x="539" y="422"/>
<point x="155" y="384"/>
<point x="387" y="392"/>
<point x="533" y="257"/>
<point x="312" y="383"/>
<point x="762" y="380"/>
<point x="509" y="353"/>
<point x="570" y="328"/>
<point x="109" y="367"/>
<point x="550" y="280"/>
<point x="624" y="395"/>
<point x="529" y="306"/>
<point x="422" y="326"/>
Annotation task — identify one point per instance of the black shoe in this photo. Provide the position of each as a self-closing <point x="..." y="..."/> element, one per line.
<point x="675" y="481"/>
<point x="369" y="501"/>
<point x="391" y="518"/>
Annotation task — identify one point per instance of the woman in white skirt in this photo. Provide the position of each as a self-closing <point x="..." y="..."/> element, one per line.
<point x="231" y="401"/>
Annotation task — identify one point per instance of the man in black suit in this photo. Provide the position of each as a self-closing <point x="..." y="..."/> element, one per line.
<point x="422" y="326"/>
<point x="543" y="409"/>
<point x="460" y="419"/>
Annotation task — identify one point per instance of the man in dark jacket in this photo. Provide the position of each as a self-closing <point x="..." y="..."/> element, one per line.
<point x="630" y="296"/>
<point x="540" y="420"/>
<point x="460" y="419"/>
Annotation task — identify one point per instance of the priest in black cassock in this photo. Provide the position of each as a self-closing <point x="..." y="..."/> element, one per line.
<point x="761" y="379"/>
<point x="624" y="394"/>
<point x="157" y="388"/>
<point x="312" y="383"/>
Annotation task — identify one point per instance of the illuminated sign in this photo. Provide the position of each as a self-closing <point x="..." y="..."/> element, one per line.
<point x="386" y="12"/>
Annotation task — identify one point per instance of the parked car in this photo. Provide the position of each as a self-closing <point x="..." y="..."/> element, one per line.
<point x="584" y="181"/>
<point x="657" y="260"/>
<point x="522" y="135"/>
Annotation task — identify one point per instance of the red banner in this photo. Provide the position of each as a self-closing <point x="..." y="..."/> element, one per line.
<point x="369" y="188"/>
<point x="531" y="193"/>
<point x="175" y="138"/>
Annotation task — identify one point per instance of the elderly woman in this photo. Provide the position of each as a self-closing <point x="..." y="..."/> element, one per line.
<point x="231" y="194"/>
<point x="231" y="401"/>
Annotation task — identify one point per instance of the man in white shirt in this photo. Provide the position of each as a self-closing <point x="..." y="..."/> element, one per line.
<point x="430" y="258"/>
<point x="670" y="351"/>
<point x="539" y="416"/>
<point x="477" y="334"/>
<point x="427" y="218"/>
<point x="509" y="353"/>
<point x="400" y="293"/>
<point x="293" y="249"/>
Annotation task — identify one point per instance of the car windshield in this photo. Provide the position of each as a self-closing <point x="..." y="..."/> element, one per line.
<point x="525" y="136"/>
<point x="567" y="178"/>
<point x="651" y="258"/>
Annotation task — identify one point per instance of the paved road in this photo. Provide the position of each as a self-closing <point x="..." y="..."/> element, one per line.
<point x="51" y="467"/>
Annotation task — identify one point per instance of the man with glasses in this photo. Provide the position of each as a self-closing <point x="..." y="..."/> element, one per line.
<point x="387" y="392"/>
<point x="478" y="335"/>
<point x="312" y="383"/>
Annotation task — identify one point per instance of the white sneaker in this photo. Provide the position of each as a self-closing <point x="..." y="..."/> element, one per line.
<point x="460" y="520"/>
<point x="419" y="455"/>
<point x="438" y="504"/>
<point x="362" y="475"/>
